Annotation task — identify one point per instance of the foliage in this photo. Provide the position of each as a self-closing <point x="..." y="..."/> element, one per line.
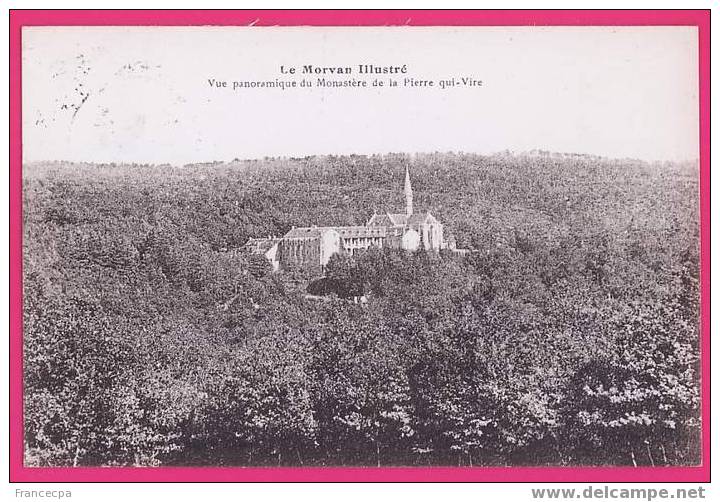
<point x="568" y="334"/>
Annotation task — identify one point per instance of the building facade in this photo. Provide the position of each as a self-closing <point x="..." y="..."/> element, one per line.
<point x="268" y="247"/>
<point x="312" y="247"/>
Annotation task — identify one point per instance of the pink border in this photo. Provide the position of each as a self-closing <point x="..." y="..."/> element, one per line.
<point x="20" y="18"/>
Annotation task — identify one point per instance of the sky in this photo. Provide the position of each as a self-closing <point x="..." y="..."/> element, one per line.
<point x="142" y="94"/>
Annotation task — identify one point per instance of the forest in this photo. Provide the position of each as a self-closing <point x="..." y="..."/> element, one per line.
<point x="568" y="335"/>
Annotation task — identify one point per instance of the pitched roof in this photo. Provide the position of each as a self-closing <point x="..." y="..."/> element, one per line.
<point x="420" y="218"/>
<point x="345" y="232"/>
<point x="379" y="220"/>
<point x="413" y="219"/>
<point x="398" y="218"/>
<point x="261" y="245"/>
<point x="361" y="231"/>
<point x="378" y="226"/>
<point x="304" y="233"/>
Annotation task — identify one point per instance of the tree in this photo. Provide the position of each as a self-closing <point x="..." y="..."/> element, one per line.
<point x="643" y="399"/>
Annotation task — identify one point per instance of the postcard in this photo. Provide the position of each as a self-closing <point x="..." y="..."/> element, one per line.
<point x="275" y="248"/>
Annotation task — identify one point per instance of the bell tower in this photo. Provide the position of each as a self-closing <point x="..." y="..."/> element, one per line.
<point x="408" y="193"/>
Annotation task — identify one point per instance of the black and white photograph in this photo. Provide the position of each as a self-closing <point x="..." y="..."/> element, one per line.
<point x="361" y="247"/>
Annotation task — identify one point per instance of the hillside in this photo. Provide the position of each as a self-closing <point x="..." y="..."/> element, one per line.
<point x="569" y="335"/>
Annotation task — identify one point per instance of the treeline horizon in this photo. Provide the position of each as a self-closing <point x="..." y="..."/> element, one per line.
<point x="570" y="336"/>
<point x="35" y="164"/>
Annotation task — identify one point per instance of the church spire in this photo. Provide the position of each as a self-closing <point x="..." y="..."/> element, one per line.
<point x="408" y="193"/>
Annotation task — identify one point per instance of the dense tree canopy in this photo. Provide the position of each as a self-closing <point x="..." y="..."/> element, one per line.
<point x="568" y="335"/>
